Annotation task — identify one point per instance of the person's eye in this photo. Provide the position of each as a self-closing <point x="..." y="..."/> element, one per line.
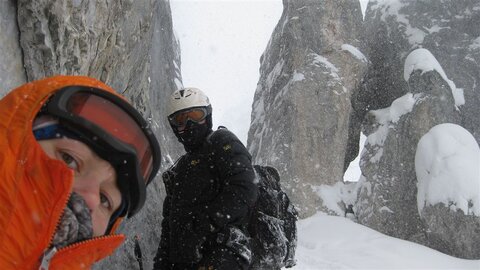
<point x="70" y="161"/>
<point x="105" y="202"/>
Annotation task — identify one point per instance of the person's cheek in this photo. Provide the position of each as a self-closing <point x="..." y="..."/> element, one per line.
<point x="100" y="223"/>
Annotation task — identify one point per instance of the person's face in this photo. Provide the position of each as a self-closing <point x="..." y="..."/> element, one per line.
<point x="95" y="178"/>
<point x="182" y="129"/>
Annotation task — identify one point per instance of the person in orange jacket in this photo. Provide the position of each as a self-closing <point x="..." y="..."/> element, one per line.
<point x="75" y="160"/>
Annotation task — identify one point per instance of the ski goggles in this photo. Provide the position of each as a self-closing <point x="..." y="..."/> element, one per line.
<point x="180" y="118"/>
<point x="116" y="132"/>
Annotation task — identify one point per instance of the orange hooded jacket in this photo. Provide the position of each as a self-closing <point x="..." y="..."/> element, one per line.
<point x="34" y="189"/>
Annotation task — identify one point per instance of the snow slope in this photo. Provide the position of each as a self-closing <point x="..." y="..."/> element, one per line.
<point x="329" y="242"/>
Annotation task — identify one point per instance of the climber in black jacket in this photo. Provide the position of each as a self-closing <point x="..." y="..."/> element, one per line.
<point x="210" y="192"/>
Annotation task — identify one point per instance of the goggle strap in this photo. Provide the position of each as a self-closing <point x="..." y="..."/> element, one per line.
<point x="54" y="131"/>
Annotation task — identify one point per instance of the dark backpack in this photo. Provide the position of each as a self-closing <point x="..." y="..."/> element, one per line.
<point x="272" y="226"/>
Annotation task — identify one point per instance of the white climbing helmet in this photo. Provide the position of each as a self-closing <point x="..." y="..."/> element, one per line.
<point x="187" y="98"/>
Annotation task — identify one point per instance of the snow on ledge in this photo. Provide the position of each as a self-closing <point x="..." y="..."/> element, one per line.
<point x="298" y="77"/>
<point x="476" y="44"/>
<point x="447" y="167"/>
<point x="422" y="59"/>
<point x="320" y="60"/>
<point x="332" y="196"/>
<point x="401" y="106"/>
<point x="355" y="52"/>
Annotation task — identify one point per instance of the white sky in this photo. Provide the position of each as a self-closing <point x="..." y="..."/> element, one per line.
<point x="221" y="43"/>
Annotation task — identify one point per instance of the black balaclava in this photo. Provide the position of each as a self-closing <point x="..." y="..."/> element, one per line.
<point x="194" y="134"/>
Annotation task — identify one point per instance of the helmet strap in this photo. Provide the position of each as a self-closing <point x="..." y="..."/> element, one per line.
<point x="209" y="121"/>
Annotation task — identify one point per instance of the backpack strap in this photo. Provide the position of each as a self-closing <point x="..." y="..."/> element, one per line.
<point x="209" y="136"/>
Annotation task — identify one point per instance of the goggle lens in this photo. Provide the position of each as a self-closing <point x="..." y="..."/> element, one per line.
<point x="180" y="118"/>
<point x="116" y="122"/>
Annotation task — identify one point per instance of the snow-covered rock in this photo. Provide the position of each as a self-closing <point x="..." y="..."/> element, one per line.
<point x="448" y="198"/>
<point x="387" y="199"/>
<point x="301" y="117"/>
<point x="422" y="59"/>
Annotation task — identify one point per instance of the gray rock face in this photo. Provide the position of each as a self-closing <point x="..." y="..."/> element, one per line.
<point x="108" y="40"/>
<point x="301" y="110"/>
<point x="163" y="77"/>
<point x="452" y="232"/>
<point x="127" y="44"/>
<point x="12" y="73"/>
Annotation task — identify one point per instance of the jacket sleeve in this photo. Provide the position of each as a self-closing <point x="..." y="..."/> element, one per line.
<point x="233" y="166"/>
<point x="161" y="260"/>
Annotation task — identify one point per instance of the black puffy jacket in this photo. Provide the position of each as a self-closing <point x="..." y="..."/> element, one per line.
<point x="209" y="191"/>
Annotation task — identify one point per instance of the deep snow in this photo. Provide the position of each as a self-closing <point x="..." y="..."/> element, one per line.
<point x="330" y="242"/>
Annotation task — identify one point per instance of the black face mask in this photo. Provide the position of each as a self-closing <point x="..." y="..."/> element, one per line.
<point x="193" y="136"/>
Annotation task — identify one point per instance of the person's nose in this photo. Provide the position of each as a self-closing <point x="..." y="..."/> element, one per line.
<point x="89" y="189"/>
<point x="91" y="197"/>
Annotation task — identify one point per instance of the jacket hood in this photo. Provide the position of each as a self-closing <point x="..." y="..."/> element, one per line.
<point x="34" y="188"/>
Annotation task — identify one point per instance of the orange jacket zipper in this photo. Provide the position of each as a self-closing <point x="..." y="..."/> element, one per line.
<point x="51" y="252"/>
